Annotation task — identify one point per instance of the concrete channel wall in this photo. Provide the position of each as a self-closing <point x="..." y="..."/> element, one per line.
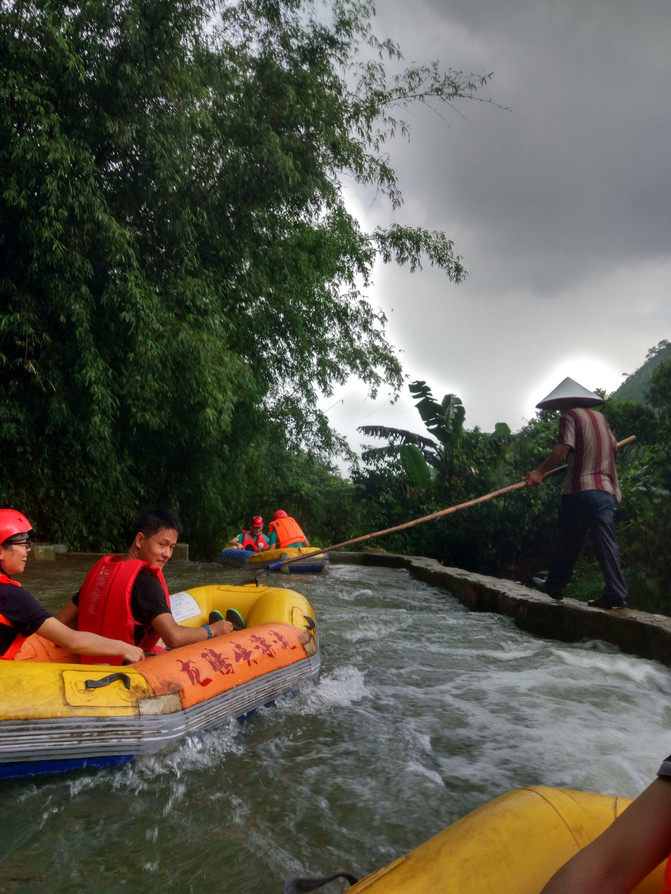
<point x="634" y="632"/>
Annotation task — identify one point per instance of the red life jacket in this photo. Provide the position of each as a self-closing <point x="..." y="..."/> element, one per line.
<point x="288" y="531"/>
<point x="18" y="640"/>
<point x="104" y="604"/>
<point x="248" y="541"/>
<point x="667" y="878"/>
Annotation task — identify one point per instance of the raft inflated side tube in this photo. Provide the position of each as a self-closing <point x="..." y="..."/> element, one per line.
<point x="232" y="556"/>
<point x="257" y="605"/>
<point x="512" y="845"/>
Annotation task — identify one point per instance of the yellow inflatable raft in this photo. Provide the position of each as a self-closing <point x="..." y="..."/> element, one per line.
<point x="512" y="845"/>
<point x="56" y="713"/>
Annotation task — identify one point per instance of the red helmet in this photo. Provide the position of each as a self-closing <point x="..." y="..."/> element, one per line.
<point x="257" y="521"/>
<point x="279" y="514"/>
<point x="12" y="523"/>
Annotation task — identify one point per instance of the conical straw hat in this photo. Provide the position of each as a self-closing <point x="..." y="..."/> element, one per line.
<point x="568" y="391"/>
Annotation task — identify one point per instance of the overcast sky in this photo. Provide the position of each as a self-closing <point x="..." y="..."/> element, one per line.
<point x="559" y="204"/>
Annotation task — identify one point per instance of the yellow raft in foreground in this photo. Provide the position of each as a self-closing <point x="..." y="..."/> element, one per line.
<point x="56" y="713"/>
<point x="512" y="845"/>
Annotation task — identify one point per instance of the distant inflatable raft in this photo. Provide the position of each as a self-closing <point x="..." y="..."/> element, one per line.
<point x="304" y="559"/>
<point x="512" y="845"/>
<point x="56" y="713"/>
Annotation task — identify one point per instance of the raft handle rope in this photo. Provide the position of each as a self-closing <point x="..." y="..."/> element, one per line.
<point x="105" y="681"/>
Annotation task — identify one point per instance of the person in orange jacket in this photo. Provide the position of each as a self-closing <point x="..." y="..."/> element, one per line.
<point x="286" y="532"/>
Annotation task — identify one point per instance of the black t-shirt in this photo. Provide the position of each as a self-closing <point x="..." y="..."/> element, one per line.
<point x="147" y="601"/>
<point x="22" y="610"/>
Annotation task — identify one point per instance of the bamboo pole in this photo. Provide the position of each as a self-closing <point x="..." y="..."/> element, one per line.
<point x="426" y="518"/>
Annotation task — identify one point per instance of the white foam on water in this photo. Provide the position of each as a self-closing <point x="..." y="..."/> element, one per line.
<point x="355" y="595"/>
<point x="433" y="775"/>
<point x="340" y="688"/>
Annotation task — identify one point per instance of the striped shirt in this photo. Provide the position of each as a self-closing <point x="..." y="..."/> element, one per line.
<point x="591" y="462"/>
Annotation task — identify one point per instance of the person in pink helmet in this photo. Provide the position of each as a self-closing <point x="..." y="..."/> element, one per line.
<point x="253" y="540"/>
<point x="20" y="613"/>
<point x="286" y="532"/>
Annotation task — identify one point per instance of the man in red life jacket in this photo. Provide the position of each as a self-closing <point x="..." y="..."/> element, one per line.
<point x="285" y="531"/>
<point x="128" y="594"/>
<point x="254" y="540"/>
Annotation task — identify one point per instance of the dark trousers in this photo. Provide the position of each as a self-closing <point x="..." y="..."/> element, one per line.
<point x="593" y="511"/>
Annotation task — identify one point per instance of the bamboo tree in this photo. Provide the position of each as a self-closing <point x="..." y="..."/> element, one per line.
<point x="177" y="253"/>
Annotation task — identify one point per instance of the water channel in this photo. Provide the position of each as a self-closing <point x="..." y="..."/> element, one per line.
<point x="423" y="711"/>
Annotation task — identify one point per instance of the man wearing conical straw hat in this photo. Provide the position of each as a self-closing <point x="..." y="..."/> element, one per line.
<point x="589" y="495"/>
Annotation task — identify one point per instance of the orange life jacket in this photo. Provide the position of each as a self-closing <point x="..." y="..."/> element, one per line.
<point x="104" y="604"/>
<point x="18" y="640"/>
<point x="248" y="541"/>
<point x="288" y="531"/>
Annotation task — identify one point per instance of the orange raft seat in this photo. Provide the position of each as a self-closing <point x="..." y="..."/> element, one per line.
<point x="56" y="713"/>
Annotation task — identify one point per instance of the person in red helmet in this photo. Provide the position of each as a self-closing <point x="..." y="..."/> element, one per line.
<point x="20" y="613"/>
<point x="253" y="540"/>
<point x="285" y="531"/>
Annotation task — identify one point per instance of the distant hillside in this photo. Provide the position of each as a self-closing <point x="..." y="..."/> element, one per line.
<point x="635" y="386"/>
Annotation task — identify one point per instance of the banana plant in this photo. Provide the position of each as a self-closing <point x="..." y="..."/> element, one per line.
<point x="428" y="461"/>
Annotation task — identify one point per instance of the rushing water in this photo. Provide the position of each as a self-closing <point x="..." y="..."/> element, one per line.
<point x="422" y="712"/>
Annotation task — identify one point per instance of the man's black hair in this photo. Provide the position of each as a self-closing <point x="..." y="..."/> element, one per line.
<point x="151" y="521"/>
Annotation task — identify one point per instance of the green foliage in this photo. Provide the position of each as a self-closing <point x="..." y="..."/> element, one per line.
<point x="453" y="465"/>
<point x="627" y="417"/>
<point x="428" y="461"/>
<point x="418" y="468"/>
<point x="635" y="387"/>
<point x="513" y="535"/>
<point x="181" y="278"/>
<point x="659" y="392"/>
<point x="647" y="481"/>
